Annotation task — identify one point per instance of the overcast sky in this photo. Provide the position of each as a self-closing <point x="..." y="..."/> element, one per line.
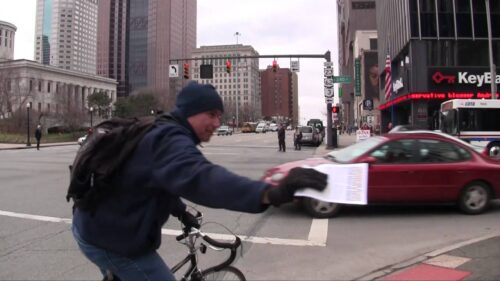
<point x="270" y="27"/>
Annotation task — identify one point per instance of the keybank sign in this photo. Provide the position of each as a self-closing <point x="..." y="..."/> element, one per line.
<point x="478" y="79"/>
<point x="452" y="79"/>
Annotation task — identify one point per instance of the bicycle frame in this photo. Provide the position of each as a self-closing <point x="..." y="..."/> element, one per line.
<point x="191" y="235"/>
<point x="193" y="267"/>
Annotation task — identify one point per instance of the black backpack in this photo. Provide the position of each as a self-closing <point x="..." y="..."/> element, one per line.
<point x="104" y="152"/>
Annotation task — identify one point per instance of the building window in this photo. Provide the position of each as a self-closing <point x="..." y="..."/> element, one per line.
<point x="428" y="18"/>
<point x="373" y="44"/>
<point x="464" y="23"/>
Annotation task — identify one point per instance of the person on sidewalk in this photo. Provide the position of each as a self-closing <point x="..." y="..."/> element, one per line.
<point x="281" y="138"/>
<point x="297" y="138"/>
<point x="38" y="136"/>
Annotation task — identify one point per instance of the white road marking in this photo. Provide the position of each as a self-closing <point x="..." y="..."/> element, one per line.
<point x="317" y="233"/>
<point x="447" y="261"/>
<point x="34" y="217"/>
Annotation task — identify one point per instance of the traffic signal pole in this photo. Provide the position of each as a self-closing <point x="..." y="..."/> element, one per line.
<point x="331" y="133"/>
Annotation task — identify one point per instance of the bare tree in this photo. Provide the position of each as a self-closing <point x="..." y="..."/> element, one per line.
<point x="14" y="95"/>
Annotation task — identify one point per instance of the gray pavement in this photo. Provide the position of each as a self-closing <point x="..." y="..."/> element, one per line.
<point x="477" y="258"/>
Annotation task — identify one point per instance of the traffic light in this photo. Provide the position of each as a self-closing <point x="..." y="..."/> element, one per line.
<point x="335" y="109"/>
<point x="275" y="66"/>
<point x="228" y="66"/>
<point x="186" y="71"/>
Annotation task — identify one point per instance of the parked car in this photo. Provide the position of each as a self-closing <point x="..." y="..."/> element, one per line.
<point x="261" y="128"/>
<point x="273" y="127"/>
<point x="310" y="136"/>
<point x="411" y="167"/>
<point x="224" y="131"/>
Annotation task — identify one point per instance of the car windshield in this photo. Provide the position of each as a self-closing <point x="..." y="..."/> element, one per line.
<point x="346" y="155"/>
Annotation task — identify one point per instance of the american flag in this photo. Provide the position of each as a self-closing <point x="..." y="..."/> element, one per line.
<point x="388" y="78"/>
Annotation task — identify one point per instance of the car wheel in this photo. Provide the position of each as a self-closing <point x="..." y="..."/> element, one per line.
<point x="475" y="198"/>
<point x="320" y="209"/>
<point x="494" y="150"/>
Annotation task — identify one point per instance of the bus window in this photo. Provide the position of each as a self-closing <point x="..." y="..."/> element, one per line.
<point x="449" y="122"/>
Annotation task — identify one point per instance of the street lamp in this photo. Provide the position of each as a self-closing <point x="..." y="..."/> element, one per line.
<point x="28" y="106"/>
<point x="490" y="50"/>
<point x="91" y="113"/>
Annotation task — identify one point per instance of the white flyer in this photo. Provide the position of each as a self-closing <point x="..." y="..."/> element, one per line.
<point x="347" y="184"/>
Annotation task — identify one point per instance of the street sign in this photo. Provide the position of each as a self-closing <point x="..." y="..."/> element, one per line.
<point x="329" y="92"/>
<point x="328" y="72"/>
<point x="357" y="77"/>
<point x="173" y="71"/>
<point x="328" y="64"/>
<point x="328" y="82"/>
<point x="328" y="100"/>
<point x="342" y="79"/>
<point x="295" y="66"/>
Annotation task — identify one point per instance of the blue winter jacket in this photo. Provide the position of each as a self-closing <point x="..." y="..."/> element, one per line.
<point x="165" y="166"/>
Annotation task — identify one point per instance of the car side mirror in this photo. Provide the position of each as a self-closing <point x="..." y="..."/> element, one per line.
<point x="368" y="159"/>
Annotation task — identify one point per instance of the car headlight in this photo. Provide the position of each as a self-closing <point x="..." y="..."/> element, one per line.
<point x="277" y="177"/>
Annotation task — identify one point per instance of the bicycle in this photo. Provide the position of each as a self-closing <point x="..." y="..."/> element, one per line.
<point x="222" y="271"/>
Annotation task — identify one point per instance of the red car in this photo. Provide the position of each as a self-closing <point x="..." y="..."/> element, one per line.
<point x="411" y="167"/>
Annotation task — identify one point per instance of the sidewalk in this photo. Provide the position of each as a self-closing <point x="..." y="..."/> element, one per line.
<point x="474" y="259"/>
<point x="342" y="141"/>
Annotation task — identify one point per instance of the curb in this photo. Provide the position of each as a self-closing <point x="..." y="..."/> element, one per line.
<point x="390" y="269"/>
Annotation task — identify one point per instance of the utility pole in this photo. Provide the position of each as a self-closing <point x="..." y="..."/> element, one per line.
<point x="492" y="64"/>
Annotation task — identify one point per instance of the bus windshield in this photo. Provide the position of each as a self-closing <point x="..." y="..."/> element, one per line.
<point x="479" y="119"/>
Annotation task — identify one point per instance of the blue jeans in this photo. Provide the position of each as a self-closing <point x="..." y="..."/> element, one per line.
<point x="147" y="267"/>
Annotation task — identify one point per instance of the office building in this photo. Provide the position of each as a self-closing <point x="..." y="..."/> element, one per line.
<point x="438" y="51"/>
<point x="353" y="16"/>
<point x="280" y="95"/>
<point x="137" y="40"/>
<point x="240" y="86"/>
<point x="66" y="34"/>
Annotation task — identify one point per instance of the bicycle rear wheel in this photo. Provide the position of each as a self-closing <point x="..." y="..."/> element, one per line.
<point x="226" y="273"/>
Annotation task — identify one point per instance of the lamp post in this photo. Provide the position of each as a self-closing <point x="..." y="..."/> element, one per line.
<point x="28" y="106"/>
<point x="91" y="113"/>
<point x="490" y="49"/>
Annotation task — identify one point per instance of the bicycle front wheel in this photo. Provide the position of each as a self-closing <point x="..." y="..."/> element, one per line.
<point x="226" y="273"/>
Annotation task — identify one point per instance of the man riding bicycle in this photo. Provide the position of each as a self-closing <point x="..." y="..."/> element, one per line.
<point x="124" y="232"/>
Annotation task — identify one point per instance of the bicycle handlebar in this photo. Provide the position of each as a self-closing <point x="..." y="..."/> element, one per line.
<point x="211" y="241"/>
<point x="223" y="245"/>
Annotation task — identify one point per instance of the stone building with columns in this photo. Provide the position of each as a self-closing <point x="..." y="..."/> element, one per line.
<point x="55" y="96"/>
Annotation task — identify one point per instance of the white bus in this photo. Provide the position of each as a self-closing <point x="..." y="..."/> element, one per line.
<point x="474" y="121"/>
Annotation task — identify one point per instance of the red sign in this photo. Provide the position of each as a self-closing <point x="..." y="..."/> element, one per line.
<point x="437" y="96"/>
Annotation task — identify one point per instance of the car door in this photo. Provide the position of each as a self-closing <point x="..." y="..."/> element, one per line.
<point x="440" y="170"/>
<point x="391" y="178"/>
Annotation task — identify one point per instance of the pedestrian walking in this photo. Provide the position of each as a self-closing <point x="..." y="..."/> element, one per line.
<point x="38" y="136"/>
<point x="297" y="138"/>
<point x="281" y="138"/>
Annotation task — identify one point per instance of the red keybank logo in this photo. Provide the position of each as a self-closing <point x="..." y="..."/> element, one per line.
<point x="439" y="77"/>
<point x="465" y="77"/>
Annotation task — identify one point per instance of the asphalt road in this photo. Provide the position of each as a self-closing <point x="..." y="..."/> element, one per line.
<point x="280" y="244"/>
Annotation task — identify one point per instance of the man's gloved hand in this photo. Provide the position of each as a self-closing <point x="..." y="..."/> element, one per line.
<point x="189" y="220"/>
<point x="296" y="179"/>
